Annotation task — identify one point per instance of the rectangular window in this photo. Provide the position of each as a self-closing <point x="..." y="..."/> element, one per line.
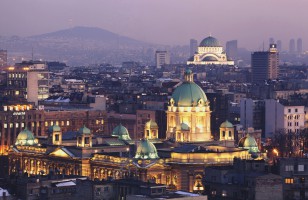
<point x="67" y="123"/>
<point x="296" y="109"/>
<point x="301" y="168"/>
<point x="22" y="125"/>
<point x="46" y="123"/>
<point x="5" y="125"/>
<point x="289" y="168"/>
<point x="56" y="137"/>
<point x="289" y="110"/>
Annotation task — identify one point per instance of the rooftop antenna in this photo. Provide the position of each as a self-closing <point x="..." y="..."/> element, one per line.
<point x="32" y="53"/>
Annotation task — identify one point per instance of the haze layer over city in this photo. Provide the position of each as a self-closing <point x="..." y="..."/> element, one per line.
<point x="170" y="22"/>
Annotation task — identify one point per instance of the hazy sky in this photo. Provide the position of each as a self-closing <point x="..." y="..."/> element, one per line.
<point x="163" y="21"/>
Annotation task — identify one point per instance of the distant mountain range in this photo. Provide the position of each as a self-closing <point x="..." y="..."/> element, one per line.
<point x="79" y="45"/>
<point x="88" y="33"/>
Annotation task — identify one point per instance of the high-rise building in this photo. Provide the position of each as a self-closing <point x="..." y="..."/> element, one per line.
<point x="3" y="58"/>
<point x="299" y="45"/>
<point x="162" y="58"/>
<point x="231" y="49"/>
<point x="265" y="64"/>
<point x="292" y="46"/>
<point x="193" y="47"/>
<point x="271" y="40"/>
<point x="279" y="45"/>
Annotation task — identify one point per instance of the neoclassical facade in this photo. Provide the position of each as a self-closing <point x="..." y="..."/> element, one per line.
<point x="210" y="52"/>
<point x="188" y="114"/>
<point x="179" y="162"/>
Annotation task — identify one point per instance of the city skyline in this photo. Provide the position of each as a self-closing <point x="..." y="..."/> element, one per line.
<point x="160" y="22"/>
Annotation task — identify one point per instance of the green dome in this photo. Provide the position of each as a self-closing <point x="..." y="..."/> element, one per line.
<point x="121" y="132"/>
<point x="146" y="150"/>
<point x="25" y="138"/>
<point x="84" y="130"/>
<point x="188" y="94"/>
<point x="226" y="124"/>
<point x="151" y="124"/>
<point x="54" y="128"/>
<point x="249" y="142"/>
<point x="209" y="42"/>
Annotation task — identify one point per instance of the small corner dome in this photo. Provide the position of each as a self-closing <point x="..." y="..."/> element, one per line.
<point x="209" y="42"/>
<point x="226" y="124"/>
<point x="54" y="128"/>
<point x="121" y="131"/>
<point x="25" y="138"/>
<point x="248" y="142"/>
<point x="151" y="124"/>
<point x="84" y="130"/>
<point x="146" y="150"/>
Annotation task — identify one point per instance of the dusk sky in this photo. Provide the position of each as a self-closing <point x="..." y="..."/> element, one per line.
<point x="163" y="21"/>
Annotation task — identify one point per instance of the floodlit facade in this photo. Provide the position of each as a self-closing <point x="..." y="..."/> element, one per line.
<point x="210" y="52"/>
<point x="177" y="162"/>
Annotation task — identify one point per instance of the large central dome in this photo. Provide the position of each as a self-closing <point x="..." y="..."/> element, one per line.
<point x="209" y="42"/>
<point x="188" y="94"/>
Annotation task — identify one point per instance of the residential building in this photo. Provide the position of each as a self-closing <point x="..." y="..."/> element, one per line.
<point x="162" y="58"/>
<point x="3" y="58"/>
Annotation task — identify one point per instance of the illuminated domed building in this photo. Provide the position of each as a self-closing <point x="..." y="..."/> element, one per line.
<point x="178" y="162"/>
<point x="188" y="115"/>
<point x="210" y="52"/>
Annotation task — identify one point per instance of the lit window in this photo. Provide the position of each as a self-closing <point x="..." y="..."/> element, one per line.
<point x="16" y="125"/>
<point x="102" y="122"/>
<point x="289" y="181"/>
<point x="51" y="123"/>
<point x="22" y="125"/>
<point x="17" y="92"/>
<point x="5" y="125"/>
<point x="67" y="123"/>
<point x="224" y="193"/>
<point x="46" y="123"/>
<point x="57" y="123"/>
<point x="11" y="125"/>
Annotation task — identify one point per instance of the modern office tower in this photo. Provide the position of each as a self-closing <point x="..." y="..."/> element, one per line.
<point x="265" y="64"/>
<point x="162" y="58"/>
<point x="231" y="49"/>
<point x="292" y="46"/>
<point x="279" y="45"/>
<point x="193" y="46"/>
<point x="3" y="58"/>
<point x="299" y="45"/>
